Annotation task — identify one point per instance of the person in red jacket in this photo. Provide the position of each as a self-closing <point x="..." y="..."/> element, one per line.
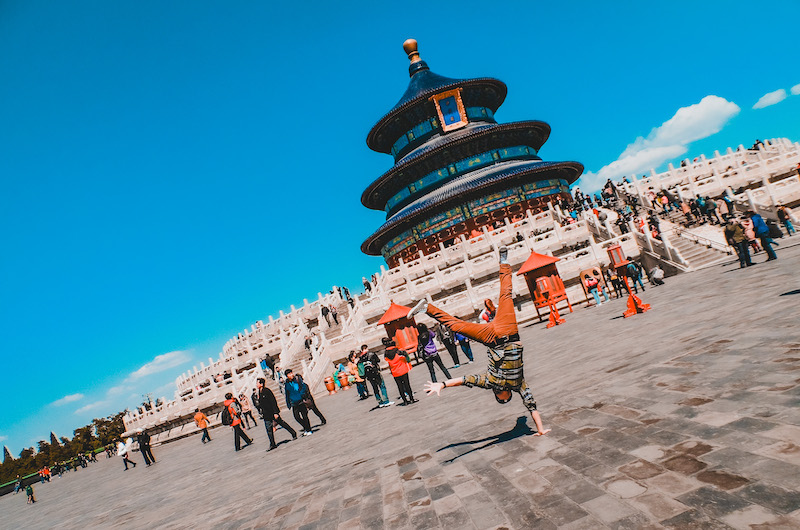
<point x="235" y="411"/>
<point x="399" y="366"/>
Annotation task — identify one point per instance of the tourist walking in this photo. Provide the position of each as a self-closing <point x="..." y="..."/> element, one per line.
<point x="300" y="401"/>
<point x="268" y="406"/>
<point x="505" y="371"/>
<point x="734" y="235"/>
<point x="762" y="233"/>
<point x="234" y="419"/>
<point x="372" y="372"/>
<point x="427" y="348"/>
<point x="449" y="342"/>
<point x="634" y="273"/>
<point x="247" y="410"/>
<point x="399" y="366"/>
<point x="750" y="234"/>
<point x="785" y="217"/>
<point x="357" y="373"/>
<point x="123" y="449"/>
<point x="29" y="493"/>
<point x="465" y="346"/>
<point x="591" y="283"/>
<point x="201" y="421"/>
<point x="144" y="446"/>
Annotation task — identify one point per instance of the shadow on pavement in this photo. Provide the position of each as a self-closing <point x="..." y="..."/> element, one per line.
<point x="521" y="428"/>
<point x="787" y="293"/>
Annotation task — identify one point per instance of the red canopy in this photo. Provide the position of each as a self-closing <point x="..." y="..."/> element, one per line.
<point x="536" y="261"/>
<point x="395" y="312"/>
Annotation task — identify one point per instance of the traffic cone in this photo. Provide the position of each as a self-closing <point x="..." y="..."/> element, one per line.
<point x="635" y="306"/>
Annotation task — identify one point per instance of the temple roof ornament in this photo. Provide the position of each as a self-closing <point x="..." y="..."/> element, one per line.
<point x="454" y="163"/>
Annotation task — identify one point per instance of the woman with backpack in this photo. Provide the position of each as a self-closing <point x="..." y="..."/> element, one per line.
<point x="372" y="373"/>
<point x="427" y="349"/>
<point x="231" y="415"/>
<point x="591" y="284"/>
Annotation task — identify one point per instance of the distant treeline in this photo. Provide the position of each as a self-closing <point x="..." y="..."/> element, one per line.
<point x="98" y="434"/>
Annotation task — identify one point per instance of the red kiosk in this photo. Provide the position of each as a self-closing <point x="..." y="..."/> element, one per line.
<point x="620" y="262"/>
<point x="545" y="284"/>
<point x="401" y="329"/>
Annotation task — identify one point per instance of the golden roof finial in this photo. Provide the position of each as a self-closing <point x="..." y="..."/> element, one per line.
<point x="410" y="47"/>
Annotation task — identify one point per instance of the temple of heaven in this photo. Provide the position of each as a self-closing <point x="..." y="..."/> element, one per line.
<point x="456" y="169"/>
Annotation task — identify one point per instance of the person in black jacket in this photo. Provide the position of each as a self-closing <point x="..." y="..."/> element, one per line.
<point x="144" y="446"/>
<point x="268" y="407"/>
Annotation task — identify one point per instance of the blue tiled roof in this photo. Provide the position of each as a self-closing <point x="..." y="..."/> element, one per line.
<point x="422" y="85"/>
<point x="370" y="197"/>
<point x="463" y="188"/>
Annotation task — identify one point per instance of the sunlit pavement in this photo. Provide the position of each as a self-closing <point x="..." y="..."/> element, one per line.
<point x="686" y="416"/>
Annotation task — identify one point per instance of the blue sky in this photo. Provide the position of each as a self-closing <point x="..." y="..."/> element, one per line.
<point x="173" y="172"/>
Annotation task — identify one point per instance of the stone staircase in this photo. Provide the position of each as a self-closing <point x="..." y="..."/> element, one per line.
<point x="697" y="254"/>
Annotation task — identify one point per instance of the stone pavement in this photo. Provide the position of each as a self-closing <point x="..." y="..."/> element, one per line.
<point x="684" y="417"/>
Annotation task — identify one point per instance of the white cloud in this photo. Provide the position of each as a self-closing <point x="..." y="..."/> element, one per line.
<point x="166" y="390"/>
<point x="160" y="363"/>
<point x="3" y="438"/>
<point x="118" y="390"/>
<point x="91" y="406"/>
<point x="667" y="141"/>
<point x="132" y="384"/>
<point x="67" y="399"/>
<point x="795" y="90"/>
<point x="770" y="98"/>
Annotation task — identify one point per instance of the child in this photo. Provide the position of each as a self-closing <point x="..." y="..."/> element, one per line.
<point x="29" y="493"/>
<point x="399" y="365"/>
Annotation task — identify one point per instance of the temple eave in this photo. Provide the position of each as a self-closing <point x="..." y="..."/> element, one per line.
<point x="496" y="137"/>
<point x="568" y="171"/>
<point x="380" y="144"/>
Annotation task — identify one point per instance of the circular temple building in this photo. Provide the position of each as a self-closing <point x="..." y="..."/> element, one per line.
<point x="456" y="169"/>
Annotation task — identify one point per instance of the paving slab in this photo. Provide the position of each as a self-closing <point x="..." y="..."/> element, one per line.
<point x="683" y="417"/>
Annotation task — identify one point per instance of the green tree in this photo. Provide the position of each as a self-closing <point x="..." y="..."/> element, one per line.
<point x="84" y="439"/>
<point x="109" y="429"/>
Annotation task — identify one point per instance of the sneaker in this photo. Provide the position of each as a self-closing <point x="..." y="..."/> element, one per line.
<point x="271" y="447"/>
<point x="324" y="422"/>
<point x="294" y="436"/>
<point x="388" y="404"/>
<point x="308" y="433"/>
<point x="456" y="366"/>
<point x="420" y="307"/>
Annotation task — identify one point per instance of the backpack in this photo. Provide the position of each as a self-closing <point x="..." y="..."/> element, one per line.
<point x="226" y="416"/>
<point x="227" y="419"/>
<point x="370" y="370"/>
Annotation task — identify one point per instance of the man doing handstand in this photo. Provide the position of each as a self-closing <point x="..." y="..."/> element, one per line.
<point x="504" y="374"/>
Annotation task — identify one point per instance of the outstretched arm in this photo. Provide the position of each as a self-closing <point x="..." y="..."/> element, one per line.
<point x="430" y="387"/>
